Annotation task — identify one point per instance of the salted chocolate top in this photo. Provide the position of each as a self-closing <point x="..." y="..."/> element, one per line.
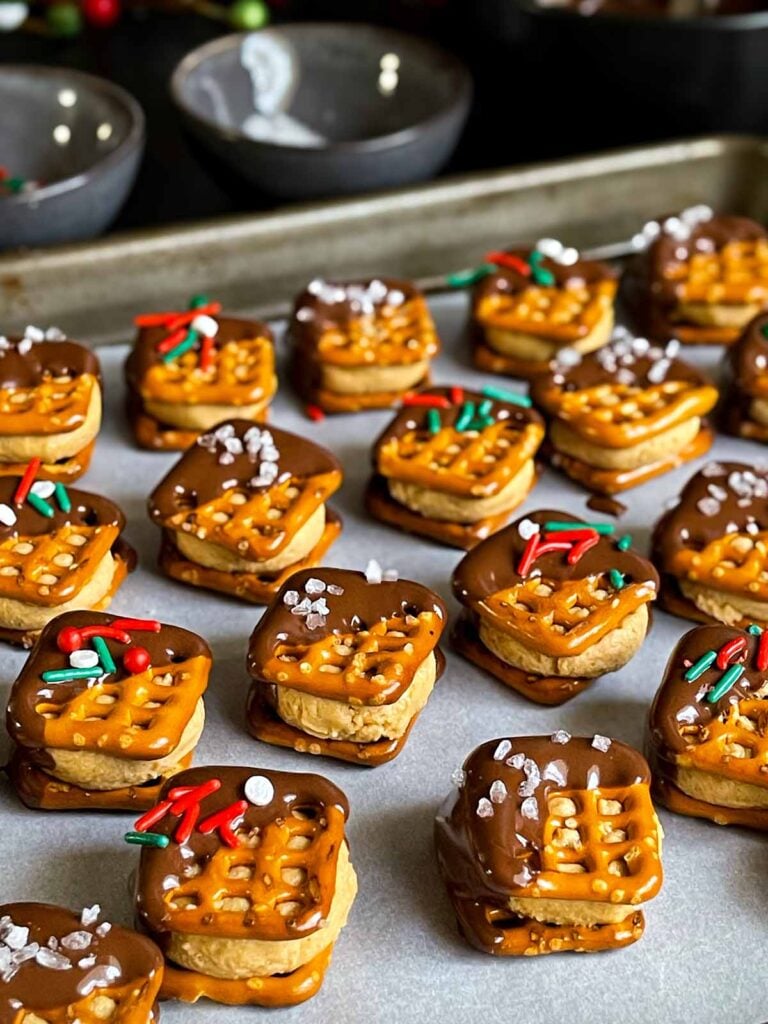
<point x="315" y="604"/>
<point x="327" y="304"/>
<point x="171" y="645"/>
<point x="722" y="498"/>
<point x="145" y="354"/>
<point x="490" y="832"/>
<point x="51" y="958"/>
<point x="87" y="510"/>
<point x="492" y="565"/>
<point x="748" y="358"/>
<point x="507" y="279"/>
<point x="26" y="364"/>
<point x="283" y="798"/>
<point x="680" y="710"/>
<point x="227" y="458"/>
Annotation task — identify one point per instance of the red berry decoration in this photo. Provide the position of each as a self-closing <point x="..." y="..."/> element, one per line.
<point x="69" y="639"/>
<point x="136" y="660"/>
<point x="101" y="13"/>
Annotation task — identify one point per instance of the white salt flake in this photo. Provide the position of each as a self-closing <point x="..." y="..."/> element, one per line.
<point x="104" y="929"/>
<point x="497" y="792"/>
<point x="391" y="575"/>
<point x="291" y="598"/>
<point x="529" y="808"/>
<point x="516" y="761"/>
<point x="484" y="808"/>
<point x="87" y="962"/>
<point x="259" y="791"/>
<point x="557" y="772"/>
<point x="90" y="915"/>
<point x="708" y="506"/>
<point x="373" y="572"/>
<point x="51" y="959"/>
<point x="336" y="590"/>
<point x="602" y="743"/>
<point x="560" y="736"/>
<point x="458" y="777"/>
<point x="314" y="586"/>
<point x="502" y="750"/>
<point x="15" y="936"/>
<point x="77" y="940"/>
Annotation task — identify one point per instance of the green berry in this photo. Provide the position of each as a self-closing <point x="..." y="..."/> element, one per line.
<point x="248" y="15"/>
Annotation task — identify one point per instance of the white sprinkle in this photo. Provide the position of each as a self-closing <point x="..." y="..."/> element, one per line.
<point x="43" y="488"/>
<point x="314" y="586"/>
<point x="529" y="808"/>
<point x="32" y="333"/>
<point x="602" y="743"/>
<point x="713" y="469"/>
<point x="567" y="358"/>
<point x="373" y="573"/>
<point x="717" y="492"/>
<point x="484" y="808"/>
<point x="549" y="247"/>
<point x="7" y="515"/>
<point x="657" y="373"/>
<point x="54" y="334"/>
<point x="561" y="736"/>
<point x="259" y="791"/>
<point x="458" y="777"/>
<point x="84" y="658"/>
<point x="502" y="750"/>
<point x="708" y="506"/>
<point x="497" y="792"/>
<point x="291" y="598"/>
<point x="526" y="528"/>
<point x="205" y="325"/>
<point x="90" y="915"/>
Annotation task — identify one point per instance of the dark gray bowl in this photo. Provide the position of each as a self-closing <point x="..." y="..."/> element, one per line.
<point x="318" y="109"/>
<point x="80" y="137"/>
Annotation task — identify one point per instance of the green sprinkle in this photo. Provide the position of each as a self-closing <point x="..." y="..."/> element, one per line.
<point x="63" y="498"/>
<point x="66" y="675"/>
<point x="540" y="274"/>
<point x="597" y="527"/>
<point x="40" y="505"/>
<point x="501" y="395"/>
<point x="13" y="185"/>
<point x="724" y="683"/>
<point x="433" y="421"/>
<point x="147" y="839"/>
<point x="624" y="543"/>
<point x="698" y="668"/>
<point x="764" y="330"/>
<point x="616" y="578"/>
<point x="198" y="300"/>
<point x="466" y="416"/>
<point x="465" y="278"/>
<point x="184" y="346"/>
<point x="754" y="630"/>
<point x="106" y="659"/>
<point x="480" y="423"/>
<point x="484" y="409"/>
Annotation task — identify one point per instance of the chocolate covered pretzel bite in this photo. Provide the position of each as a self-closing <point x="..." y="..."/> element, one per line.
<point x="535" y="302"/>
<point x="711" y="547"/>
<point x="454" y="463"/>
<point x="550" y="844"/>
<point x="244" y="507"/>
<point x="701" y="277"/>
<point x="60" y="549"/>
<point x="104" y="710"/>
<point x="190" y="370"/>
<point x="360" y="345"/>
<point x="343" y="663"/>
<point x="550" y="603"/>
<point x="707" y="726"/>
<point x="624" y="414"/>
<point x="50" y="404"/>
<point x="745" y="411"/>
<point x="61" y="967"/>
<point x="245" y="883"/>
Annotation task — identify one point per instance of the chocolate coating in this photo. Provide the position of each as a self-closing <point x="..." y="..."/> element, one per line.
<point x="41" y="989"/>
<point x="313" y="314"/>
<point x="45" y="359"/>
<point x="507" y="279"/>
<point x="87" y="510"/>
<point x="748" y="359"/>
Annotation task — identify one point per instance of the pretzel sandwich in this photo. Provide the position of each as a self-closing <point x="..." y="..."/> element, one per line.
<point x="550" y="844"/>
<point x="50" y="404"/>
<point x="701" y="277"/>
<point x="453" y="464"/>
<point x="244" y="507"/>
<point x="343" y="663"/>
<point x="60" y="549"/>
<point x="104" y="710"/>
<point x="531" y="305"/>
<point x="712" y="547"/>
<point x="360" y="345"/>
<point x="745" y="413"/>
<point x="707" y="727"/>
<point x="550" y="603"/>
<point x="61" y="967"/>
<point x="624" y="414"/>
<point x="245" y="883"/>
<point x="190" y="370"/>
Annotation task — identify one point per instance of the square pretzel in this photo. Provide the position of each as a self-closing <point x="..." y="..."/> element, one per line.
<point x="390" y="336"/>
<point x="54" y="405"/>
<point x="565" y="314"/>
<point x="735" y="274"/>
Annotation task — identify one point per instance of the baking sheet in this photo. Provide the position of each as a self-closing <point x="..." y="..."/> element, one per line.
<point x="400" y="958"/>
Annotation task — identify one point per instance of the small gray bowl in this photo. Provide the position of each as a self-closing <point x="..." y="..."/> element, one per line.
<point x="78" y="140"/>
<point x="322" y="108"/>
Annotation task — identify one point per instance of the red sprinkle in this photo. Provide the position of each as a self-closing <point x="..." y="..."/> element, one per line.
<point x="25" y="484"/>
<point x="72" y="638"/>
<point x="574" y="535"/>
<point x="507" y="259"/>
<point x="222" y="820"/>
<point x="529" y="554"/>
<point x="730" y="651"/>
<point x="430" y="401"/>
<point x="186" y="826"/>
<point x="136" y="660"/>
<point x="183" y="797"/>
<point x="762" y="652"/>
<point x="206" y="353"/>
<point x="173" y="319"/>
<point x="581" y="548"/>
<point x="171" y="340"/>
<point x="153" y="815"/>
<point x="314" y="412"/>
<point x="142" y="625"/>
<point x="457" y="395"/>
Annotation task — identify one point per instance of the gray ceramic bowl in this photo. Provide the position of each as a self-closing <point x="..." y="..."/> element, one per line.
<point x="80" y="138"/>
<point x="317" y="109"/>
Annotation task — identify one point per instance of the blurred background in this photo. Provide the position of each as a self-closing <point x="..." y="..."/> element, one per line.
<point x="549" y="81"/>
